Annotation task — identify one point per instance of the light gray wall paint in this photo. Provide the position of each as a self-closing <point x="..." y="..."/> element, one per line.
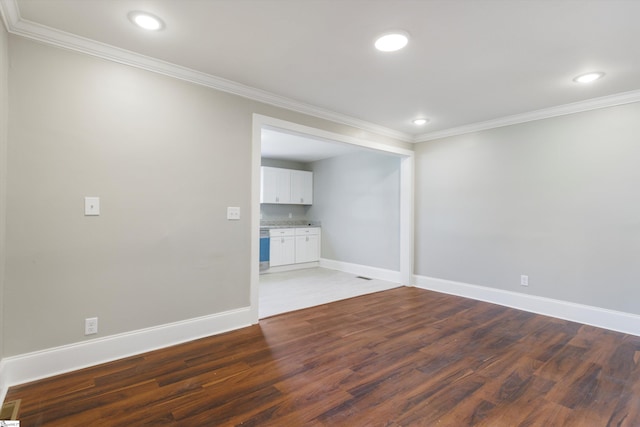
<point x="357" y="199"/>
<point x="166" y="157"/>
<point x="4" y="106"/>
<point x="555" y="199"/>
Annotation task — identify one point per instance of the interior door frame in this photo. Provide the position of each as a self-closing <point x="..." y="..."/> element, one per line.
<point x="407" y="174"/>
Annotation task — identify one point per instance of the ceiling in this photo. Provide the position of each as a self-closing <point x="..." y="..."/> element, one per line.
<point x="468" y="64"/>
<point x="283" y="145"/>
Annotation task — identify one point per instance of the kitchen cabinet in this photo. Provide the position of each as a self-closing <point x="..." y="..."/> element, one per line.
<point x="307" y="248"/>
<point x="302" y="187"/>
<point x="282" y="246"/>
<point x="275" y="185"/>
<point x="286" y="186"/>
<point x="293" y="245"/>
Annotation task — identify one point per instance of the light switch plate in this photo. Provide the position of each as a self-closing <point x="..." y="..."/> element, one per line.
<point x="233" y="213"/>
<point x="91" y="206"/>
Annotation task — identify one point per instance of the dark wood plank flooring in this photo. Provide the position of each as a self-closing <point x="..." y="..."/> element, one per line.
<point x="403" y="357"/>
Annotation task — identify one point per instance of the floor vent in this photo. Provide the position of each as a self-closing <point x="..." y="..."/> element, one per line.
<point x="10" y="410"/>
<point x="363" y="278"/>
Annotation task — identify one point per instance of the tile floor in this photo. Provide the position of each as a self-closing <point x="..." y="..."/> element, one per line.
<point x="293" y="290"/>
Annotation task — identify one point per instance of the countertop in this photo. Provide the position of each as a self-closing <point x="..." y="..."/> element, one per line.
<point x="269" y="225"/>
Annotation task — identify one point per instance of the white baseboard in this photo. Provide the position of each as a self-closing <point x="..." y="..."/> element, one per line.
<point x="27" y="367"/>
<point x="291" y="267"/>
<point x="3" y="383"/>
<point x="362" y="270"/>
<point x="595" y="316"/>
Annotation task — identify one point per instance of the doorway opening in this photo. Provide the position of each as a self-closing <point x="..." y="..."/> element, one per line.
<point x="372" y="193"/>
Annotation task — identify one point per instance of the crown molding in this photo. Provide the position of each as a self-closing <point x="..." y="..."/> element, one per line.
<point x="546" y="113"/>
<point x="31" y="30"/>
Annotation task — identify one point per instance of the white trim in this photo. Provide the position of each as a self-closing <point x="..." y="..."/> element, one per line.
<point x="546" y="113"/>
<point x="256" y="161"/>
<point x="272" y="122"/>
<point x="31" y="30"/>
<point x="362" y="270"/>
<point x="4" y="386"/>
<point x="292" y="267"/>
<point x="53" y="361"/>
<point x="407" y="218"/>
<point x="601" y="317"/>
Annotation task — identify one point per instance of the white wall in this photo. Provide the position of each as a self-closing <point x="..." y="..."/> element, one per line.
<point x="357" y="199"/>
<point x="554" y="199"/>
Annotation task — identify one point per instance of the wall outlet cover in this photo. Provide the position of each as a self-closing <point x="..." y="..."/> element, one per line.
<point x="91" y="326"/>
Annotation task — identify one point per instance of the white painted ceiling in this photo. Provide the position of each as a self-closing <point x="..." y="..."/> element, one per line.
<point x="468" y="61"/>
<point x="278" y="144"/>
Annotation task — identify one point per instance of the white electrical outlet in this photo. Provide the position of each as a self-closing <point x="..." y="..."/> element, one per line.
<point x="524" y="280"/>
<point x="91" y="326"/>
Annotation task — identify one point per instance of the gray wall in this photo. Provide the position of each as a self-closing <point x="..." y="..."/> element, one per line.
<point x="165" y="156"/>
<point x="357" y="199"/>
<point x="554" y="199"/>
<point x="4" y="101"/>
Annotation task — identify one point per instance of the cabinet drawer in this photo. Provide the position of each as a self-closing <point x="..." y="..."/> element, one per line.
<point x="282" y="232"/>
<point x="307" y="231"/>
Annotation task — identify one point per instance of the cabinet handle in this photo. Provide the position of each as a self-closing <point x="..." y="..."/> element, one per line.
<point x="301" y="200"/>
<point x="277" y="199"/>
<point x="307" y="238"/>
<point x="282" y="241"/>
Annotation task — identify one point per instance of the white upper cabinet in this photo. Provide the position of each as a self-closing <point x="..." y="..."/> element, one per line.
<point x="286" y="186"/>
<point x="302" y="187"/>
<point x="275" y="185"/>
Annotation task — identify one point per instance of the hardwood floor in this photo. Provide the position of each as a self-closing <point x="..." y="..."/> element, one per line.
<point x="401" y="357"/>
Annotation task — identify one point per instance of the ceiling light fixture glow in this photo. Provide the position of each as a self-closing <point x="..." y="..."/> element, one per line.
<point x="392" y="41"/>
<point x="146" y="21"/>
<point x="589" y="77"/>
<point x="420" y="121"/>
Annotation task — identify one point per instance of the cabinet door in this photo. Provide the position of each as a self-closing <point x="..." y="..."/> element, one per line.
<point x="301" y="187"/>
<point x="275" y="185"/>
<point x="281" y="251"/>
<point x="307" y="248"/>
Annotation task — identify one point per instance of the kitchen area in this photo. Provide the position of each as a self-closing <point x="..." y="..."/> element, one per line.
<point x="320" y="201"/>
<point x="287" y="243"/>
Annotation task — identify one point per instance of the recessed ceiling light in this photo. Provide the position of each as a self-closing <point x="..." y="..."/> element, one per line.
<point x="420" y="121"/>
<point x="146" y="20"/>
<point x="392" y="41"/>
<point x="589" y="77"/>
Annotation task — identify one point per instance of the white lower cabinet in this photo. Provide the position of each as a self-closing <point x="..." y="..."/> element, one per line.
<point x="307" y="244"/>
<point x="282" y="247"/>
<point x="293" y="246"/>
